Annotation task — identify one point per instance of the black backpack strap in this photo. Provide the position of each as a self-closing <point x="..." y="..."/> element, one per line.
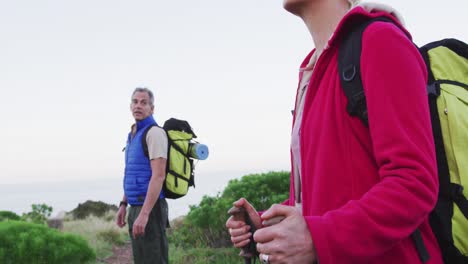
<point x="143" y="140"/>
<point x="441" y="217"/>
<point x="442" y="165"/>
<point x="349" y="69"/>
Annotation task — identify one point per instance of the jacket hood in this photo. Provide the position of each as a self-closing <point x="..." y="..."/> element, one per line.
<point x="362" y="12"/>
<point x="377" y="7"/>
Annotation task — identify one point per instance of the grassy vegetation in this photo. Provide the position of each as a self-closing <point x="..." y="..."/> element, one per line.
<point x="200" y="237"/>
<point x="100" y="232"/>
<point x="204" y="255"/>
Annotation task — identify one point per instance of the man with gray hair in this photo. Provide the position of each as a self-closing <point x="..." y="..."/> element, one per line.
<point x="145" y="172"/>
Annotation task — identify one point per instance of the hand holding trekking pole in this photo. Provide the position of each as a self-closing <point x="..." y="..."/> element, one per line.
<point x="284" y="236"/>
<point x="244" y="218"/>
<point x="248" y="251"/>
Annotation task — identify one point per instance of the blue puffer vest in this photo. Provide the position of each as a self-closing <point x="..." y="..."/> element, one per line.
<point x="137" y="165"/>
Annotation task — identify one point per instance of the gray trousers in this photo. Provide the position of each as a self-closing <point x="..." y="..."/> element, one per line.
<point x="152" y="247"/>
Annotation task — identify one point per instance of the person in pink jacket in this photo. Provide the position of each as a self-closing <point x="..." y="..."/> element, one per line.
<point x="357" y="193"/>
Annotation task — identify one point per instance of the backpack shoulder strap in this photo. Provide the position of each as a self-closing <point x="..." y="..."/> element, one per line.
<point x="349" y="68"/>
<point x="143" y="140"/>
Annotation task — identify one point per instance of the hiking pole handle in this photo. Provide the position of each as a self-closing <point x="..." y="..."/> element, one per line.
<point x="248" y="251"/>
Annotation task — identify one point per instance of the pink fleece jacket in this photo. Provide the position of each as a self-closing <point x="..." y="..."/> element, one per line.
<point x="366" y="189"/>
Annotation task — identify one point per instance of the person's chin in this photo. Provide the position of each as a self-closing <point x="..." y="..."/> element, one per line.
<point x="292" y="6"/>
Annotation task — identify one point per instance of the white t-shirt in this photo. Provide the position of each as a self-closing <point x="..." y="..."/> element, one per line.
<point x="156" y="139"/>
<point x="295" y="136"/>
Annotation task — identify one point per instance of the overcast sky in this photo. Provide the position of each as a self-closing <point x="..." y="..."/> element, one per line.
<point x="67" y="70"/>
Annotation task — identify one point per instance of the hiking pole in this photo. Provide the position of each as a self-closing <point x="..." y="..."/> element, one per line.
<point x="248" y="251"/>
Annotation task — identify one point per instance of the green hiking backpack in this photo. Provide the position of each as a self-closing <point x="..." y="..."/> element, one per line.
<point x="179" y="167"/>
<point x="447" y="65"/>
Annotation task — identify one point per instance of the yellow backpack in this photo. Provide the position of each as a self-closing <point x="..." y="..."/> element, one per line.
<point x="182" y="151"/>
<point x="447" y="65"/>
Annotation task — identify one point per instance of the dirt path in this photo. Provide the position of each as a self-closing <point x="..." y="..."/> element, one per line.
<point x="120" y="255"/>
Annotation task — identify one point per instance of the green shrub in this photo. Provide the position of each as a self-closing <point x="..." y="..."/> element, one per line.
<point x="261" y="190"/>
<point x="39" y="214"/>
<point x="205" y="223"/>
<point x="8" y="215"/>
<point x="92" y="208"/>
<point x="22" y="242"/>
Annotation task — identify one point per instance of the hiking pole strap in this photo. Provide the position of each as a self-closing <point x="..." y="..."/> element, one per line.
<point x="420" y="247"/>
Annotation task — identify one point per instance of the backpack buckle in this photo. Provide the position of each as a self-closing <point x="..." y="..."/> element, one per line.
<point x="456" y="191"/>
<point x="357" y="102"/>
<point x="349" y="72"/>
<point x="432" y="90"/>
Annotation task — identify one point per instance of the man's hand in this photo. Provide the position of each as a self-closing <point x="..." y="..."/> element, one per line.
<point x="288" y="241"/>
<point x="239" y="230"/>
<point x="121" y="215"/>
<point x="139" y="225"/>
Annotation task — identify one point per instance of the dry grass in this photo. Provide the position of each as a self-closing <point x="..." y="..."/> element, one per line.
<point x="100" y="232"/>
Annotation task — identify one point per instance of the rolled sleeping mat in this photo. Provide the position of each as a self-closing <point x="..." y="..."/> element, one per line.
<point x="198" y="151"/>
